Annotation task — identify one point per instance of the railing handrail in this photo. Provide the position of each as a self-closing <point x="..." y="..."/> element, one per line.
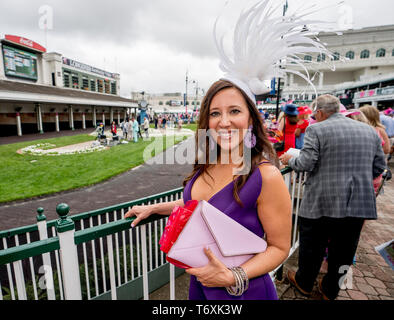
<point x="71" y="245"/>
<point x="30" y="228"/>
<point x="28" y="250"/>
<point x="43" y="246"/>
<point x="88" y="214"/>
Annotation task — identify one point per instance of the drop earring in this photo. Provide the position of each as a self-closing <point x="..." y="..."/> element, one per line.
<point x="250" y="138"/>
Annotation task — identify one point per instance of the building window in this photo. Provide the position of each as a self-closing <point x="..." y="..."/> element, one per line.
<point x="66" y="80"/>
<point x="106" y="86"/>
<point x="307" y="58"/>
<point x="380" y="53"/>
<point x="350" y="55"/>
<point x="85" y="83"/>
<point x="336" y="56"/>
<point x="100" y="87"/>
<point x="92" y="85"/>
<point x="392" y="53"/>
<point x="306" y="97"/>
<point x="75" y="81"/>
<point x="321" y="57"/>
<point x="113" y="87"/>
<point x="290" y="96"/>
<point x="313" y="96"/>
<point x="364" y="54"/>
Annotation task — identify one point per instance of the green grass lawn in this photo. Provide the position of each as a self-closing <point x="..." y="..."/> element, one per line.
<point x="27" y="176"/>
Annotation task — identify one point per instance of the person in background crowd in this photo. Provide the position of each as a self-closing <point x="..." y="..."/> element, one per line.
<point x="341" y="157"/>
<point x="266" y="114"/>
<point x="135" y="128"/>
<point x="372" y="115"/>
<point x="288" y="126"/>
<point x="302" y="124"/>
<point x="180" y="121"/>
<point x="164" y="122"/>
<point x="387" y="119"/>
<point x="146" y="127"/>
<point x="140" y="125"/>
<point x="124" y="127"/>
<point x="359" y="116"/>
<point x="130" y="129"/>
<point x="114" y="130"/>
<point x="156" y="120"/>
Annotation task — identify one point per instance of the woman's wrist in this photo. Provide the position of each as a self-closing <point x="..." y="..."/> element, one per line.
<point x="230" y="280"/>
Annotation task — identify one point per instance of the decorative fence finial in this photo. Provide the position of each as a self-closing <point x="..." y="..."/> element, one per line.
<point x="40" y="214"/>
<point x="64" y="223"/>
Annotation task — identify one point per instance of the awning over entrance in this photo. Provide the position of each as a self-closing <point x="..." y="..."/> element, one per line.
<point x="25" y="92"/>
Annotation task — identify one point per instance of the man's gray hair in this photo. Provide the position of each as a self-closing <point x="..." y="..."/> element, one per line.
<point x="328" y="103"/>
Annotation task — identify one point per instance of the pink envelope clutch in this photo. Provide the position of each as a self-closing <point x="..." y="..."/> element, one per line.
<point x="230" y="242"/>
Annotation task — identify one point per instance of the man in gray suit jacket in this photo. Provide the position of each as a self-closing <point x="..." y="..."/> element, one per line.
<point x="341" y="157"/>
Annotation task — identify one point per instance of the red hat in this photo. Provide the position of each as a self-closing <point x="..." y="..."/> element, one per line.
<point x="307" y="110"/>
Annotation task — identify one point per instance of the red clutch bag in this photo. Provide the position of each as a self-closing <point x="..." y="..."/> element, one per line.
<point x="176" y="222"/>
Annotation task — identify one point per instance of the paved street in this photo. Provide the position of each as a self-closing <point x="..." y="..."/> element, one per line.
<point x="136" y="183"/>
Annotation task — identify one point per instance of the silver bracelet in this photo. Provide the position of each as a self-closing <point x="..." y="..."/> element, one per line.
<point x="244" y="278"/>
<point x="241" y="282"/>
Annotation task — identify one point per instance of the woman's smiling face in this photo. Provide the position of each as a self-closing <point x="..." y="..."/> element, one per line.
<point x="229" y="118"/>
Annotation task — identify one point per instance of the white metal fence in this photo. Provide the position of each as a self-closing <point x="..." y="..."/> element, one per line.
<point x="101" y="257"/>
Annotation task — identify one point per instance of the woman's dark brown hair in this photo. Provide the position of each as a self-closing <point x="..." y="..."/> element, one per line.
<point x="263" y="149"/>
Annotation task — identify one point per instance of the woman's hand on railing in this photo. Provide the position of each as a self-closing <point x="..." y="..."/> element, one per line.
<point x="143" y="212"/>
<point x="140" y="212"/>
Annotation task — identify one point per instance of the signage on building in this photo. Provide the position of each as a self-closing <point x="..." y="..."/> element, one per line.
<point x="87" y="68"/>
<point x="20" y="63"/>
<point x="25" y="43"/>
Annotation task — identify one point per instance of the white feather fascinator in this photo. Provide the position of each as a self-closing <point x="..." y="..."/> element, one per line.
<point x="266" y="45"/>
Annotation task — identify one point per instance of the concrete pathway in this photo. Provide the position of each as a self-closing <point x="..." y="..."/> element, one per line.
<point x="136" y="183"/>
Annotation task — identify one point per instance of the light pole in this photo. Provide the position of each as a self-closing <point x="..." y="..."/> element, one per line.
<point x="196" y="97"/>
<point x="285" y="7"/>
<point x="185" y="99"/>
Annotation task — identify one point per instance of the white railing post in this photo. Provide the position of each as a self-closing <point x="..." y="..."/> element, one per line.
<point x="287" y="179"/>
<point x="46" y="258"/>
<point x="144" y="263"/>
<point x="20" y="280"/>
<point x="68" y="254"/>
<point x="172" y="282"/>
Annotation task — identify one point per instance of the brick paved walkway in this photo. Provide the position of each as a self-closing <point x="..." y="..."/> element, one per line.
<point x="372" y="279"/>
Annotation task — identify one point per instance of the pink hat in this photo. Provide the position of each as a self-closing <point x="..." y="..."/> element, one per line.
<point x="307" y="110"/>
<point x="388" y="111"/>
<point x="346" y="113"/>
<point x="312" y="121"/>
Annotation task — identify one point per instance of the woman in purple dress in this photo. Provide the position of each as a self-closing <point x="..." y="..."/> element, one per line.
<point x="244" y="182"/>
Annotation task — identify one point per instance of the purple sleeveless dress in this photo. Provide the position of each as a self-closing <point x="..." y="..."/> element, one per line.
<point x="260" y="288"/>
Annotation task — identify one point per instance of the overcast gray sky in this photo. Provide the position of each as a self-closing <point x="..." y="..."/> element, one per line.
<point x="152" y="43"/>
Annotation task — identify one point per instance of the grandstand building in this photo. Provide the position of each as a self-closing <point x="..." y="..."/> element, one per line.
<point x="41" y="91"/>
<point x="364" y="69"/>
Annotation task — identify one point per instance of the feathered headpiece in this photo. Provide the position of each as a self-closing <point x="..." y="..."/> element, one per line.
<point x="265" y="46"/>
